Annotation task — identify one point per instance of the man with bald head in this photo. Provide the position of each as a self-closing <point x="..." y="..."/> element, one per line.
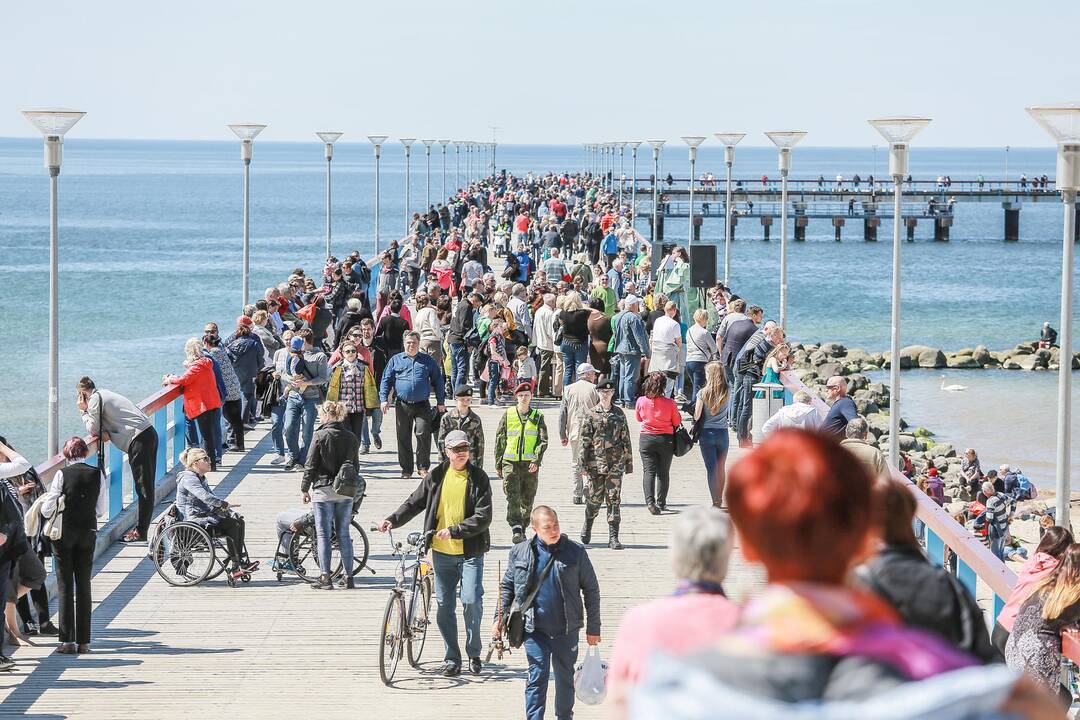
<point x="843" y="408"/>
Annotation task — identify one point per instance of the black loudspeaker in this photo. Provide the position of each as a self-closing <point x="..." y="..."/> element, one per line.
<point x="702" y="266"/>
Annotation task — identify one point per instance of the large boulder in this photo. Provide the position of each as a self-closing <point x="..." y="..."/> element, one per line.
<point x="1030" y="362"/>
<point x="858" y="381"/>
<point x="866" y="406"/>
<point x="923" y="356"/>
<point x="909" y="442"/>
<point x="942" y="450"/>
<point x="1010" y="364"/>
<point x="982" y="356"/>
<point x="817" y="357"/>
<point x="807" y="375"/>
<point x="833" y="349"/>
<point x="827" y="370"/>
<point x="858" y="356"/>
<point x="922" y="432"/>
<point x="961" y="361"/>
<point x="905" y="362"/>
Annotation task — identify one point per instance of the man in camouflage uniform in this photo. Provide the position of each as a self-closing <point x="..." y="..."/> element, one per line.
<point x="520" y="443"/>
<point x="606" y="453"/>
<point x="461" y="417"/>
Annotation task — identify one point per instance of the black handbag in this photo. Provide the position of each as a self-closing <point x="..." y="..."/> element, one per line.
<point x="515" y="625"/>
<point x="682" y="441"/>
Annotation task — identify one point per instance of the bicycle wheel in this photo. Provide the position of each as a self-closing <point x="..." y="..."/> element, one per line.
<point x="303" y="557"/>
<point x="420" y="618"/>
<point x="393" y="636"/>
<point x="360" y="548"/>
<point x="183" y="554"/>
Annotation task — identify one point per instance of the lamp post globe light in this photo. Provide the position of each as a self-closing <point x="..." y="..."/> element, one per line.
<point x="656" y="146"/>
<point x="427" y="153"/>
<point x="377" y="141"/>
<point x="784" y="140"/>
<point x="692" y="142"/>
<point x="899" y="132"/>
<point x="730" y="140"/>
<point x="408" y="143"/>
<point x="247" y="132"/>
<point x="328" y="138"/>
<point x="1062" y="122"/>
<point x="444" y="143"/>
<point x="633" y="179"/>
<point x="54" y="123"/>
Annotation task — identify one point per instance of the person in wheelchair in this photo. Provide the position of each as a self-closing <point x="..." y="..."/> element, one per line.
<point x="291" y="522"/>
<point x="195" y="503"/>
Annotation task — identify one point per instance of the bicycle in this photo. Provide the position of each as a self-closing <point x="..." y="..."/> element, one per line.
<point x="408" y="609"/>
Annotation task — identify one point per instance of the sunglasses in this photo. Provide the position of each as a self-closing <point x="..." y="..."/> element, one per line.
<point x="459" y="449"/>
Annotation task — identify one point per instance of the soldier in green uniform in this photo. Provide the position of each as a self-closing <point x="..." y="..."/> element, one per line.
<point x="520" y="443"/>
<point x="606" y="453"/>
<point x="462" y="417"/>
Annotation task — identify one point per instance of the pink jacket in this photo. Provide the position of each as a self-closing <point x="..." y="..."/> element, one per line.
<point x="1034" y="572"/>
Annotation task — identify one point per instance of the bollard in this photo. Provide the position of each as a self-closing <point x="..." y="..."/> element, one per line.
<point x="911" y="223"/>
<point x="1012" y="221"/>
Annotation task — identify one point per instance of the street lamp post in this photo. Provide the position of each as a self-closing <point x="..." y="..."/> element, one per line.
<point x="457" y="163"/>
<point x="898" y="131"/>
<point x="784" y="141"/>
<point x="730" y="140"/>
<point x="408" y="143"/>
<point x="692" y="141"/>
<point x="427" y="153"/>
<point x="328" y="138"/>
<point x="1062" y="122"/>
<point x="468" y="162"/>
<point x="656" y="145"/>
<point x="377" y="141"/>
<point x="444" y="143"/>
<point x="247" y="132"/>
<point x="633" y="180"/>
<point x="622" y="171"/>
<point x="54" y="124"/>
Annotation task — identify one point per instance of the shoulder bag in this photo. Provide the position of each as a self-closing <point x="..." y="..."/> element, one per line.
<point x="682" y="441"/>
<point x="54" y="526"/>
<point x="515" y="625"/>
<point x="348" y="481"/>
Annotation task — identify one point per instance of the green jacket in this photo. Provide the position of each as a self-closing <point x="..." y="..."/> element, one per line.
<point x="529" y="445"/>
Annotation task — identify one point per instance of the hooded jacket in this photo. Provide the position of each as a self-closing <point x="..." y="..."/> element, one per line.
<point x="1035" y="570"/>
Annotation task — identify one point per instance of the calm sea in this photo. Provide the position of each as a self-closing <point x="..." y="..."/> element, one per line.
<point x="150" y="250"/>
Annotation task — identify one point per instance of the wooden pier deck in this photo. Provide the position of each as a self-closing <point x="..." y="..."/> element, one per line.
<point x="270" y="649"/>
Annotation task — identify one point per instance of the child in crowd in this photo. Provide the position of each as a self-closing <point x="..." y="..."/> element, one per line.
<point x="524" y="368"/>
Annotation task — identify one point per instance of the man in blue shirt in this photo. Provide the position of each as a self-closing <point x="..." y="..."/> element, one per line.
<point x="843" y="408"/>
<point x="412" y="375"/>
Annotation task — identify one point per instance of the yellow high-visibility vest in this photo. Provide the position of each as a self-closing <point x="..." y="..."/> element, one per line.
<point x="521" y="437"/>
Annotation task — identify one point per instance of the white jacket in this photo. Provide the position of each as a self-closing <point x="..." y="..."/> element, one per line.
<point x="796" y="415"/>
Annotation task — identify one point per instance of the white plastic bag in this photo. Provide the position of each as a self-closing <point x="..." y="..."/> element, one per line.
<point x="590" y="678"/>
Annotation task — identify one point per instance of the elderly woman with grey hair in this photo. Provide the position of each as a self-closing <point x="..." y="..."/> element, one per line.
<point x="694" y="616"/>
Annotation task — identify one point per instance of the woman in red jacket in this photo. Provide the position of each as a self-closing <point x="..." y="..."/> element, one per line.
<point x="201" y="396"/>
<point x="659" y="417"/>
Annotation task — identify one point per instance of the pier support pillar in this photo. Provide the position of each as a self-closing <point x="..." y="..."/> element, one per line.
<point x="870" y="226"/>
<point x="698" y="220"/>
<point x="659" y="230"/>
<point x="838" y="222"/>
<point x="1012" y="221"/>
<point x="941" y="228"/>
<point x="911" y="223"/>
<point x="766" y="224"/>
<point x="800" y="227"/>
<point x="734" y="223"/>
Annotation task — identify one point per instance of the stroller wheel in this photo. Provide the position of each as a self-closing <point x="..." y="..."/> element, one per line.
<point x="246" y="577"/>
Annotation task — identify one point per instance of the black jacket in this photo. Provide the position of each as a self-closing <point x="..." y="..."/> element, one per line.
<point x="11" y="524"/>
<point x="462" y="321"/>
<point x="737" y="335"/>
<point x="473" y="529"/>
<point x="332" y="446"/>
<point x="574" y="574"/>
<point x="929" y="598"/>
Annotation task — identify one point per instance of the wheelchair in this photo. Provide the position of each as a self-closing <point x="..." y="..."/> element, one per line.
<point x="188" y="552"/>
<point x="302" y="558"/>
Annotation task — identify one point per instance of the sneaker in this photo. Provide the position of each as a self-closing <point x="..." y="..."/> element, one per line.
<point x="283" y="566"/>
<point x="378" y="442"/>
<point x="32" y="629"/>
<point x="578" y="500"/>
<point x="475" y="665"/>
<point x="293" y="466"/>
<point x="450" y="669"/>
<point x="365" y="449"/>
<point x="322" y="583"/>
<point x="6" y="663"/>
<point x="278" y="460"/>
<point x="132" y="536"/>
<point x="519" y="535"/>
<point x="47" y="628"/>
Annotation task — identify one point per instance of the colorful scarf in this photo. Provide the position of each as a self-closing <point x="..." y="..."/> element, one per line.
<point x="808" y="618"/>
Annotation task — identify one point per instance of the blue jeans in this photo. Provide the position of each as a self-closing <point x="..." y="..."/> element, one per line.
<point x="248" y="397"/>
<point x="744" y="405"/>
<point x="191" y="434"/>
<point x="459" y="364"/>
<point x="628" y="365"/>
<point x="544" y="651"/>
<point x="449" y="571"/>
<point x="332" y="517"/>
<point x="573" y="355"/>
<point x="494" y="378"/>
<point x="696" y="370"/>
<point x="714" y="449"/>
<point x="372" y="417"/>
<point x="997" y="546"/>
<point x="277" y="426"/>
<point x="295" y="407"/>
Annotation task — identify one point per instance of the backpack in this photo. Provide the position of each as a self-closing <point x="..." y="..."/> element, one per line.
<point x="1027" y="490"/>
<point x="348" y="481"/>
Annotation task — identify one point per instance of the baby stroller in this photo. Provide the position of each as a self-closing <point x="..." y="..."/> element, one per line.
<point x="297" y="552"/>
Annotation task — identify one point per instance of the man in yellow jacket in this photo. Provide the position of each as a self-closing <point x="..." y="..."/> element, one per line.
<point x="520" y="444"/>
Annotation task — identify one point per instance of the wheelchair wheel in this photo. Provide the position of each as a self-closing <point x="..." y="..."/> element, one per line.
<point x="221" y="554"/>
<point x="392" y="636"/>
<point x="183" y="554"/>
<point x="419" y="619"/>
<point x="303" y="558"/>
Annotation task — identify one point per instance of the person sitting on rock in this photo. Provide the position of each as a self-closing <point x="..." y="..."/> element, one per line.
<point x="1048" y="336"/>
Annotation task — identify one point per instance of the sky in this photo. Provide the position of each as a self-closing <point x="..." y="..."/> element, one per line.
<point x="558" y="72"/>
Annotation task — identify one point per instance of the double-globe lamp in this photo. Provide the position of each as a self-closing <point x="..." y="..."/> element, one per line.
<point x="784" y="140"/>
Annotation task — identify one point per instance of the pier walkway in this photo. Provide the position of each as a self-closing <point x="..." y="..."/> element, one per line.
<point x="276" y="649"/>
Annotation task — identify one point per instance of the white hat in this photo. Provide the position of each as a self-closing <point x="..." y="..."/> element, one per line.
<point x="586" y="368"/>
<point x="631" y="299"/>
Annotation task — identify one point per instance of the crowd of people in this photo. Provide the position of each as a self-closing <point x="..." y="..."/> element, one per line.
<point x="578" y="319"/>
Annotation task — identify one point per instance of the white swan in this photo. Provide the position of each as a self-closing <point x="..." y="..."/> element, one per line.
<point x="952" y="388"/>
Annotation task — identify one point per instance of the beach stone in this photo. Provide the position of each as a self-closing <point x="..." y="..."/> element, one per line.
<point x="828" y="369"/>
<point x="817" y="358"/>
<point x="965" y="351"/>
<point x="859" y="356"/>
<point x="943" y="450"/>
<point x="923" y="356"/>
<point x="865" y="406"/>
<point x="905" y="362"/>
<point x="858" y="381"/>
<point x="1030" y="362"/>
<point x="1031" y="507"/>
<point x="807" y="375"/>
<point x="982" y="356"/>
<point x="962" y="361"/>
<point x="1001" y="357"/>
<point x="870" y="367"/>
<point x="922" y="432"/>
<point x="956" y="507"/>
<point x="1076" y="362"/>
<point x="1010" y="364"/>
<point x="852" y="368"/>
<point x="1020" y="350"/>
<point x="833" y="349"/>
<point x="908" y="442"/>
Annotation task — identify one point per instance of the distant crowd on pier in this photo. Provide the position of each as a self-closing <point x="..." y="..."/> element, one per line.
<point x="537" y="295"/>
